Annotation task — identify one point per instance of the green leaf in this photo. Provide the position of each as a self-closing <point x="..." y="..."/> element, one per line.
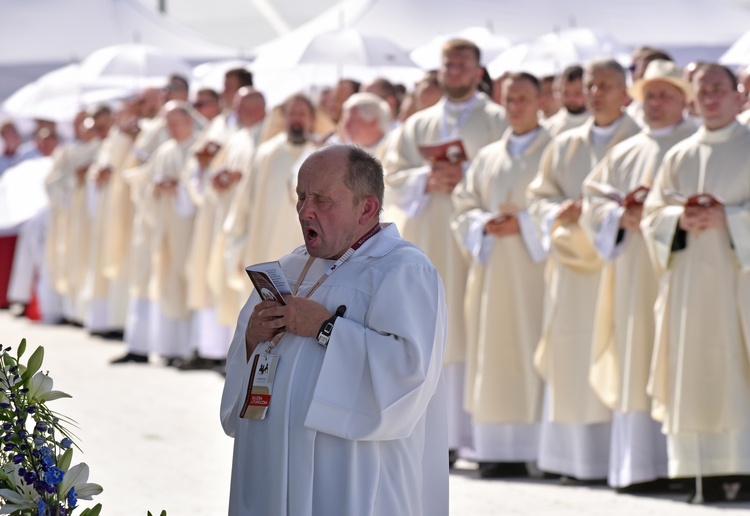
<point x="93" y="511"/>
<point x="65" y="459"/>
<point x="21" y="348"/>
<point x="35" y="363"/>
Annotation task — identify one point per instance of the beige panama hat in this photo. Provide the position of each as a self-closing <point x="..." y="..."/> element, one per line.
<point x="660" y="70"/>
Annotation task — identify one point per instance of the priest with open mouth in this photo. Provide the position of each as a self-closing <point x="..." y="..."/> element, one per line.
<point x="334" y="394"/>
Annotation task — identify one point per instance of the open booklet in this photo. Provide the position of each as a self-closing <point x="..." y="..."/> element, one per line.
<point x="704" y="200"/>
<point x="635" y="197"/>
<point x="452" y="151"/>
<point x="269" y="280"/>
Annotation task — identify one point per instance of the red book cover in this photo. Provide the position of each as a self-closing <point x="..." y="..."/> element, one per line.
<point x="452" y="151"/>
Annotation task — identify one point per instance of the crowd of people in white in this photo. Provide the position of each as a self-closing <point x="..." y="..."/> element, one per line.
<point x="594" y="245"/>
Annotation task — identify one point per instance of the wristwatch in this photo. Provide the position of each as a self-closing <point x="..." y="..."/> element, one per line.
<point x="324" y="334"/>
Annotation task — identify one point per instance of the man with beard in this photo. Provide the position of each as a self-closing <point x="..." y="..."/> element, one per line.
<point x="574" y="438"/>
<point x="623" y="341"/>
<point x="423" y="188"/>
<point x="262" y="224"/>
<point x="568" y="89"/>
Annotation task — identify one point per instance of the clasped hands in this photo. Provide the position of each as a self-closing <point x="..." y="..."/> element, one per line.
<point x="503" y="225"/>
<point x="225" y="179"/>
<point x="569" y="211"/>
<point x="165" y="186"/>
<point x="631" y="218"/>
<point x="695" y="219"/>
<point x="300" y="316"/>
<point x="443" y="177"/>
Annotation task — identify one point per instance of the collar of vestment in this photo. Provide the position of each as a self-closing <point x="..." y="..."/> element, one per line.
<point x="518" y="144"/>
<point x="719" y="135"/>
<point x="663" y="131"/>
<point x="457" y="107"/>
<point x="606" y="131"/>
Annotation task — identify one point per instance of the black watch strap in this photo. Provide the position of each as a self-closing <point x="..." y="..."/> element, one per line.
<point x="324" y="334"/>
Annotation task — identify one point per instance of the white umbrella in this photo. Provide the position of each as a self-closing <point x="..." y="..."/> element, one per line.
<point x="131" y="66"/>
<point x="551" y="53"/>
<point x="299" y="62"/>
<point x="738" y="53"/>
<point x="56" y="96"/>
<point x="211" y="74"/>
<point x="428" y="56"/>
<point x="343" y="47"/>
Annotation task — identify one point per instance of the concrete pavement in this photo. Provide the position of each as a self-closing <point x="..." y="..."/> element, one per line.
<point x="151" y="437"/>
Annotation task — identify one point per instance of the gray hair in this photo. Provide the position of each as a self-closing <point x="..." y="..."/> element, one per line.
<point x="607" y="63"/>
<point x="370" y="106"/>
<point x="364" y="175"/>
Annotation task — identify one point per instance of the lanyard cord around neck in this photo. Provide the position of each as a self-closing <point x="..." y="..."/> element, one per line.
<point x="344" y="257"/>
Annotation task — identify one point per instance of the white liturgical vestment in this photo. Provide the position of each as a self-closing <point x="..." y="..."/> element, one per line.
<point x="357" y="428"/>
<point x="700" y="374"/>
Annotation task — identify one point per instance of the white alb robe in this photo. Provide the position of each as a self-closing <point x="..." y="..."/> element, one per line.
<point x="359" y="427"/>
<point x="503" y="301"/>
<point x="477" y="123"/>
<point x="624" y="336"/>
<point x="571" y="286"/>
<point x="700" y="373"/>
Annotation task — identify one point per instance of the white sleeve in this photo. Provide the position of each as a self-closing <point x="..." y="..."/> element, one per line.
<point x="605" y="239"/>
<point x="183" y="203"/>
<point x="412" y="196"/>
<point x="377" y="380"/>
<point x="530" y="237"/>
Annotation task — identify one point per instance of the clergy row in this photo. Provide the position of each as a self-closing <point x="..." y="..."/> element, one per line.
<point x="594" y="276"/>
<point x="151" y="222"/>
<point x="575" y="340"/>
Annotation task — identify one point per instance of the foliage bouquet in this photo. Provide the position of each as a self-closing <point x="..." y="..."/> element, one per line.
<point x="36" y="477"/>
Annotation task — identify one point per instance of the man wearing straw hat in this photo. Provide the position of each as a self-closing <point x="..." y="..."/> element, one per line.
<point x="696" y="224"/>
<point x="623" y="341"/>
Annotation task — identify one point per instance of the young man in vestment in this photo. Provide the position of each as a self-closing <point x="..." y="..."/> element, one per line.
<point x="623" y="341"/>
<point x="574" y="439"/>
<point x="505" y="288"/>
<point x="422" y="189"/>
<point x="697" y="227"/>
<point x="353" y="421"/>
<point x="212" y="191"/>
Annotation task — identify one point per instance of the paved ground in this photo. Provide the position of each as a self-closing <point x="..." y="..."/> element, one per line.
<point x="152" y="438"/>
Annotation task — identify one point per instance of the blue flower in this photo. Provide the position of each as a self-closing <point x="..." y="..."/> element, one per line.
<point x="66" y="443"/>
<point x="54" y="476"/>
<point x="46" y="452"/>
<point x="48" y="461"/>
<point x="9" y="447"/>
<point x="7" y="426"/>
<point x="30" y="477"/>
<point x="40" y="427"/>
<point x="18" y="459"/>
<point x="41" y="508"/>
<point x="5" y="405"/>
<point x="38" y="441"/>
<point x="72" y="497"/>
<point x="31" y="409"/>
